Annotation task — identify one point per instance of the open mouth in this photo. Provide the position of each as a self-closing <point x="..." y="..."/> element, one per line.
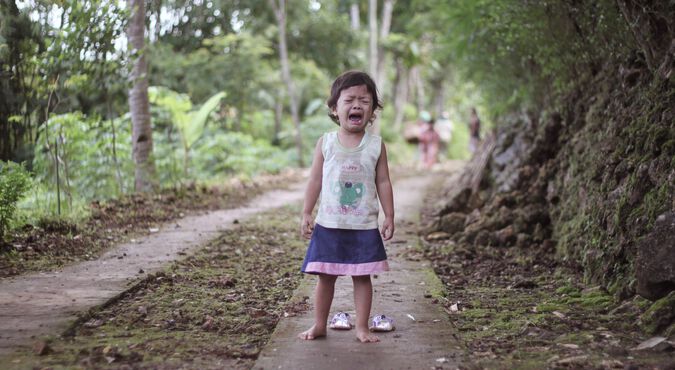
<point x="356" y="118"/>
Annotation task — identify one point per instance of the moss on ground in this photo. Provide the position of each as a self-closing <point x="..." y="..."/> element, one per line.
<point x="524" y="310"/>
<point x="660" y="315"/>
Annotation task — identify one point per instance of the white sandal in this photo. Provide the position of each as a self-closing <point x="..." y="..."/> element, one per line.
<point x="340" y="321"/>
<point x="382" y="323"/>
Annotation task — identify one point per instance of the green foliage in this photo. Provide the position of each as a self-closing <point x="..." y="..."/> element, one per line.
<point x="457" y="148"/>
<point x="324" y="36"/>
<point x="313" y="127"/>
<point x="88" y="165"/>
<point x="398" y="151"/>
<point x="190" y="123"/>
<point x="220" y="155"/>
<point x="230" y="63"/>
<point x="522" y="52"/>
<point x="14" y="182"/>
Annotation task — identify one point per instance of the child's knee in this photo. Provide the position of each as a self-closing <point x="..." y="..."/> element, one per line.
<point x="363" y="279"/>
<point x="327" y="279"/>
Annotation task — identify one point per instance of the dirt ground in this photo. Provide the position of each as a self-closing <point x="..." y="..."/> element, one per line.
<point x="52" y="244"/>
<point x="508" y="308"/>
<point x="42" y="303"/>
<point x="212" y="310"/>
<point x="409" y="294"/>
<point x="517" y="308"/>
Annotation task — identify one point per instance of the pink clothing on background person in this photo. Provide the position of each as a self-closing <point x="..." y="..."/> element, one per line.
<point x="430" y="142"/>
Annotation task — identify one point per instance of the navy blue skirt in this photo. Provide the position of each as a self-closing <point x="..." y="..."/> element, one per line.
<point x="345" y="252"/>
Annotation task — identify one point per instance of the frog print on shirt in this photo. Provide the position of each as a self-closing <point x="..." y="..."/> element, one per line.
<point x="350" y="193"/>
<point x="349" y="190"/>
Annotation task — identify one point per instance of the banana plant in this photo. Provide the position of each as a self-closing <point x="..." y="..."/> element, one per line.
<point x="190" y="122"/>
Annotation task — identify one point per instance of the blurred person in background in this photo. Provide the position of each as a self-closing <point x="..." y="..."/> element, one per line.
<point x="474" y="130"/>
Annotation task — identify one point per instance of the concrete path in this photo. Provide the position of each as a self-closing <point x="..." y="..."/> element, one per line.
<point x="427" y="342"/>
<point x="45" y="303"/>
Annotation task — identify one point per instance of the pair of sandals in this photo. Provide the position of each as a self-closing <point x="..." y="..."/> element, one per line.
<point x="380" y="323"/>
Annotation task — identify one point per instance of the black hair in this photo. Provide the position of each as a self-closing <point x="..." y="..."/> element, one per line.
<point x="347" y="80"/>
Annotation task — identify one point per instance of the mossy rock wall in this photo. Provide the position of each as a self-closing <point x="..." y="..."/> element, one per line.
<point x="584" y="180"/>
<point x="615" y="173"/>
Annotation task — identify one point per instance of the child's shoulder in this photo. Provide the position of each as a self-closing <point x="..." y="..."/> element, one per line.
<point x="377" y="138"/>
<point x="329" y="135"/>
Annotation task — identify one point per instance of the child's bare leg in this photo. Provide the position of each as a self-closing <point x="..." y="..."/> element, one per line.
<point x="323" y="298"/>
<point x="363" y="299"/>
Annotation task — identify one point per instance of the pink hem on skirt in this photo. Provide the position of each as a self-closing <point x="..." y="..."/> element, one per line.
<point x="351" y="269"/>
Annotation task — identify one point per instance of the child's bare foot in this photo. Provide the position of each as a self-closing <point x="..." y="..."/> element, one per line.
<point x="365" y="336"/>
<point x="312" y="333"/>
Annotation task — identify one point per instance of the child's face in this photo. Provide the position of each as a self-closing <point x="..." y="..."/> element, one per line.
<point x="354" y="108"/>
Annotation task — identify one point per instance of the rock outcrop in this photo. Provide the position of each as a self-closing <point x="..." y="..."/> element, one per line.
<point x="590" y="182"/>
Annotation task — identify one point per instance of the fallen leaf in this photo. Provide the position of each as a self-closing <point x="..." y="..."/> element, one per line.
<point x="438" y="235"/>
<point x="612" y="364"/>
<point x="654" y="343"/>
<point x="41" y="348"/>
<point x="575" y="360"/>
<point x="559" y="315"/>
<point x="257" y="313"/>
<point x="208" y="323"/>
<point x="93" y="323"/>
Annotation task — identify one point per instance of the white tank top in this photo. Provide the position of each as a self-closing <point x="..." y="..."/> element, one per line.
<point x="348" y="192"/>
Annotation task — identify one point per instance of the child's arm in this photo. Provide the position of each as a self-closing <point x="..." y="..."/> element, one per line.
<point x="385" y="193"/>
<point x="313" y="191"/>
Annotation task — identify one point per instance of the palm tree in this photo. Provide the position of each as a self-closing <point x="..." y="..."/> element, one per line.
<point x="279" y="8"/>
<point x="138" y="101"/>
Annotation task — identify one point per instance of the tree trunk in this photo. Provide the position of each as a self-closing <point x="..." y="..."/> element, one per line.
<point x="439" y="97"/>
<point x="278" y="112"/>
<point x="279" y="7"/>
<point x="401" y="93"/>
<point x="387" y="10"/>
<point x="158" y="24"/>
<point x="139" y="105"/>
<point x="372" y="52"/>
<point x="372" y="39"/>
<point x="237" y="120"/>
<point x="380" y="56"/>
<point x="118" y="173"/>
<point x="11" y="78"/>
<point x="418" y="85"/>
<point x="354" y="16"/>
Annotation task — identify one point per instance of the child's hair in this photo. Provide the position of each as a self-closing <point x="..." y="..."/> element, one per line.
<point x="347" y="80"/>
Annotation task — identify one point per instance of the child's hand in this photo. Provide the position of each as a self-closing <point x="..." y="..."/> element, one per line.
<point x="387" y="230"/>
<point x="306" y="227"/>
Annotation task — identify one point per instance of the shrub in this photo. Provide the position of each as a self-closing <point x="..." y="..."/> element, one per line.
<point x="14" y="182"/>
